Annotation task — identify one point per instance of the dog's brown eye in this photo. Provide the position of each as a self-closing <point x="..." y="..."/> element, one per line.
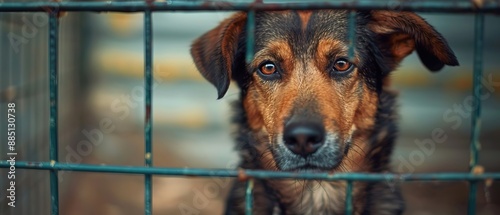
<point x="268" y="68"/>
<point x="342" y="65"/>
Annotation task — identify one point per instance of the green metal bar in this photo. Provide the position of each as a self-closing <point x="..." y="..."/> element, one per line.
<point x="53" y="88"/>
<point x="249" y="197"/>
<point x="140" y="6"/>
<point x="250" y="51"/>
<point x="476" y="112"/>
<point x="471" y="207"/>
<point x="250" y="36"/>
<point x="351" y="33"/>
<point x="369" y="177"/>
<point x="148" y="124"/>
<point x="348" y="198"/>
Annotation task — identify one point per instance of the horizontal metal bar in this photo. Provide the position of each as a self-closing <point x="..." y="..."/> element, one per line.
<point x="252" y="173"/>
<point x="139" y="6"/>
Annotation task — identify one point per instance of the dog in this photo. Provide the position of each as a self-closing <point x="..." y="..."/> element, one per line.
<point x="304" y="106"/>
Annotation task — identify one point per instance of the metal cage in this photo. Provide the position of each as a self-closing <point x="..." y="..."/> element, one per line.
<point x="53" y="9"/>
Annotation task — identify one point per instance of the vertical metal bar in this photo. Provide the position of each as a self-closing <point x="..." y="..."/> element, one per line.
<point x="471" y="209"/>
<point x="348" y="198"/>
<point x="53" y="91"/>
<point x="249" y="198"/>
<point x="250" y="36"/>
<point x="476" y="112"/>
<point x="248" y="59"/>
<point x="351" y="33"/>
<point x="148" y="185"/>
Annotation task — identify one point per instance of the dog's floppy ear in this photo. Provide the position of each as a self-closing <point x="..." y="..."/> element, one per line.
<point x="399" y="33"/>
<point x="215" y="51"/>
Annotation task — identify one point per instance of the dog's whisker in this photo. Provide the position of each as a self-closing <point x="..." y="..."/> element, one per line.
<point x="356" y="148"/>
<point x="302" y="195"/>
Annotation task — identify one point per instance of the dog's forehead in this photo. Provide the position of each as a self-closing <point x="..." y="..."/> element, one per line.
<point x="300" y="28"/>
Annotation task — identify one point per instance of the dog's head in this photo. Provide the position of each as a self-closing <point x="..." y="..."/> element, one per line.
<point x="301" y="91"/>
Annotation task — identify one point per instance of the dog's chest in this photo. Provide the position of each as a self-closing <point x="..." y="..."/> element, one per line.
<point x="317" y="198"/>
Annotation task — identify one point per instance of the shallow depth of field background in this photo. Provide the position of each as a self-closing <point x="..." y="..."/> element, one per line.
<point x="101" y="79"/>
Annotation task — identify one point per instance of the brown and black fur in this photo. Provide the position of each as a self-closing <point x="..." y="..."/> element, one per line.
<point x="355" y="109"/>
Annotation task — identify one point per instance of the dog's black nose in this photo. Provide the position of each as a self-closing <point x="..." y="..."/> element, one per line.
<point x="304" y="138"/>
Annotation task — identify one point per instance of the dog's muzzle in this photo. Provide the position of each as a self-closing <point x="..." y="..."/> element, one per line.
<point x="305" y="145"/>
<point x="304" y="138"/>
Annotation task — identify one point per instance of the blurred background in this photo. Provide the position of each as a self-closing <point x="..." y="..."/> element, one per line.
<point x="101" y="79"/>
